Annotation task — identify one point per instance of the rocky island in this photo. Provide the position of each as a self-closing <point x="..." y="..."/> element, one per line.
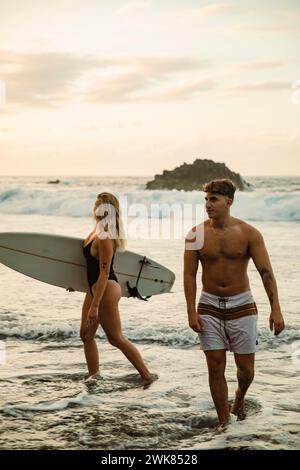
<point x="192" y="176"/>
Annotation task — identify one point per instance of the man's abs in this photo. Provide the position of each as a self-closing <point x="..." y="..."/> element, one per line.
<point x="225" y="277"/>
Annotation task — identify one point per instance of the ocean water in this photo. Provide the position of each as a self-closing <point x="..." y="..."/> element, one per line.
<point x="44" y="401"/>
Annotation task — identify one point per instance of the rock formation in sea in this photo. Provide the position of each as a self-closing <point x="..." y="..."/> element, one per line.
<point x="192" y="176"/>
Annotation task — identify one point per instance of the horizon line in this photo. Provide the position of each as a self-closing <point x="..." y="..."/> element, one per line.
<point x="131" y="176"/>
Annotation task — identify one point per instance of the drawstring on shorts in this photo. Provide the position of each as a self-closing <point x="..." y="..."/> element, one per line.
<point x="222" y="304"/>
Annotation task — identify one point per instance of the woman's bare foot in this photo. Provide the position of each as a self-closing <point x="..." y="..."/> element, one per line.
<point x="146" y="381"/>
<point x="237" y="408"/>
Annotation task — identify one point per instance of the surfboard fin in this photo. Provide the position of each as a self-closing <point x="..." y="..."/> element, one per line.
<point x="134" y="292"/>
<point x="148" y="263"/>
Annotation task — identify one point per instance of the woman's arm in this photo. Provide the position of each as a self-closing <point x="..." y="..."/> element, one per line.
<point x="105" y="250"/>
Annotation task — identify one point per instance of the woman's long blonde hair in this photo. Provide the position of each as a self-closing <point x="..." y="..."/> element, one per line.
<point x="107" y="215"/>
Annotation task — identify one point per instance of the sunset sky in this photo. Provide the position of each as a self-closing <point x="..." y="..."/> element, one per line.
<point x="111" y="87"/>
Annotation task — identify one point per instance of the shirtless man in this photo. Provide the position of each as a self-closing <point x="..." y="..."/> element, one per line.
<point x="226" y="316"/>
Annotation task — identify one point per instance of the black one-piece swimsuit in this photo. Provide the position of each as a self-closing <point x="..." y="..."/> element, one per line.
<point x="93" y="270"/>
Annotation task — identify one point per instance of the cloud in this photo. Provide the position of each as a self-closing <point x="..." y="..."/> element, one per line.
<point x="164" y="65"/>
<point x="269" y="28"/>
<point x="42" y="78"/>
<point x="118" y="89"/>
<point x="262" y="86"/>
<point x="183" y="92"/>
<point x="262" y="64"/>
<point x="152" y="73"/>
<point x="215" y="9"/>
<point x="137" y="87"/>
<point x="288" y="22"/>
<point x="50" y="78"/>
<point x="133" y="7"/>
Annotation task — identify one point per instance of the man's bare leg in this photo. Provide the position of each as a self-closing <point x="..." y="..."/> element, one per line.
<point x="216" y="363"/>
<point x="245" y="375"/>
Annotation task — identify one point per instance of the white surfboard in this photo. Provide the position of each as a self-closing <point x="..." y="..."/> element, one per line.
<point x="59" y="260"/>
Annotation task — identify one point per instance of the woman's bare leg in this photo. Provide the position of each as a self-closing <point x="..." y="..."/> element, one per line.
<point x="110" y="321"/>
<point x="87" y="335"/>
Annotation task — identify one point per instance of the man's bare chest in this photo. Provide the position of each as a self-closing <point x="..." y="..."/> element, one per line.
<point x="230" y="246"/>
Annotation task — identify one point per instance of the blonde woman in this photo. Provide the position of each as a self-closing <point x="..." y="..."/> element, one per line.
<point x="101" y="302"/>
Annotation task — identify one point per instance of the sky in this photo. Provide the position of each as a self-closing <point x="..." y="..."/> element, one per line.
<point x="94" y="87"/>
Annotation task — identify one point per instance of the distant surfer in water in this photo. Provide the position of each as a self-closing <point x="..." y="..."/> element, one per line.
<point x="100" y="305"/>
<point x="226" y="316"/>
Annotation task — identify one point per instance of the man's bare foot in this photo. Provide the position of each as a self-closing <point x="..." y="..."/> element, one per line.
<point x="93" y="379"/>
<point x="222" y="426"/>
<point x="237" y="408"/>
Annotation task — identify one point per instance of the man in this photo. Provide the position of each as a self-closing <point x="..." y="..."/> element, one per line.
<point x="226" y="316"/>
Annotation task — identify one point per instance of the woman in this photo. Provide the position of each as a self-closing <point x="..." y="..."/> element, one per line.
<point x="100" y="305"/>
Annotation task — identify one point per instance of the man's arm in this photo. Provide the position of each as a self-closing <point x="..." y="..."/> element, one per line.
<point x="259" y="254"/>
<point x="190" y="287"/>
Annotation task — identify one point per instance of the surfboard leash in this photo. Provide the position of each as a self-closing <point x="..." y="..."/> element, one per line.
<point x="133" y="291"/>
